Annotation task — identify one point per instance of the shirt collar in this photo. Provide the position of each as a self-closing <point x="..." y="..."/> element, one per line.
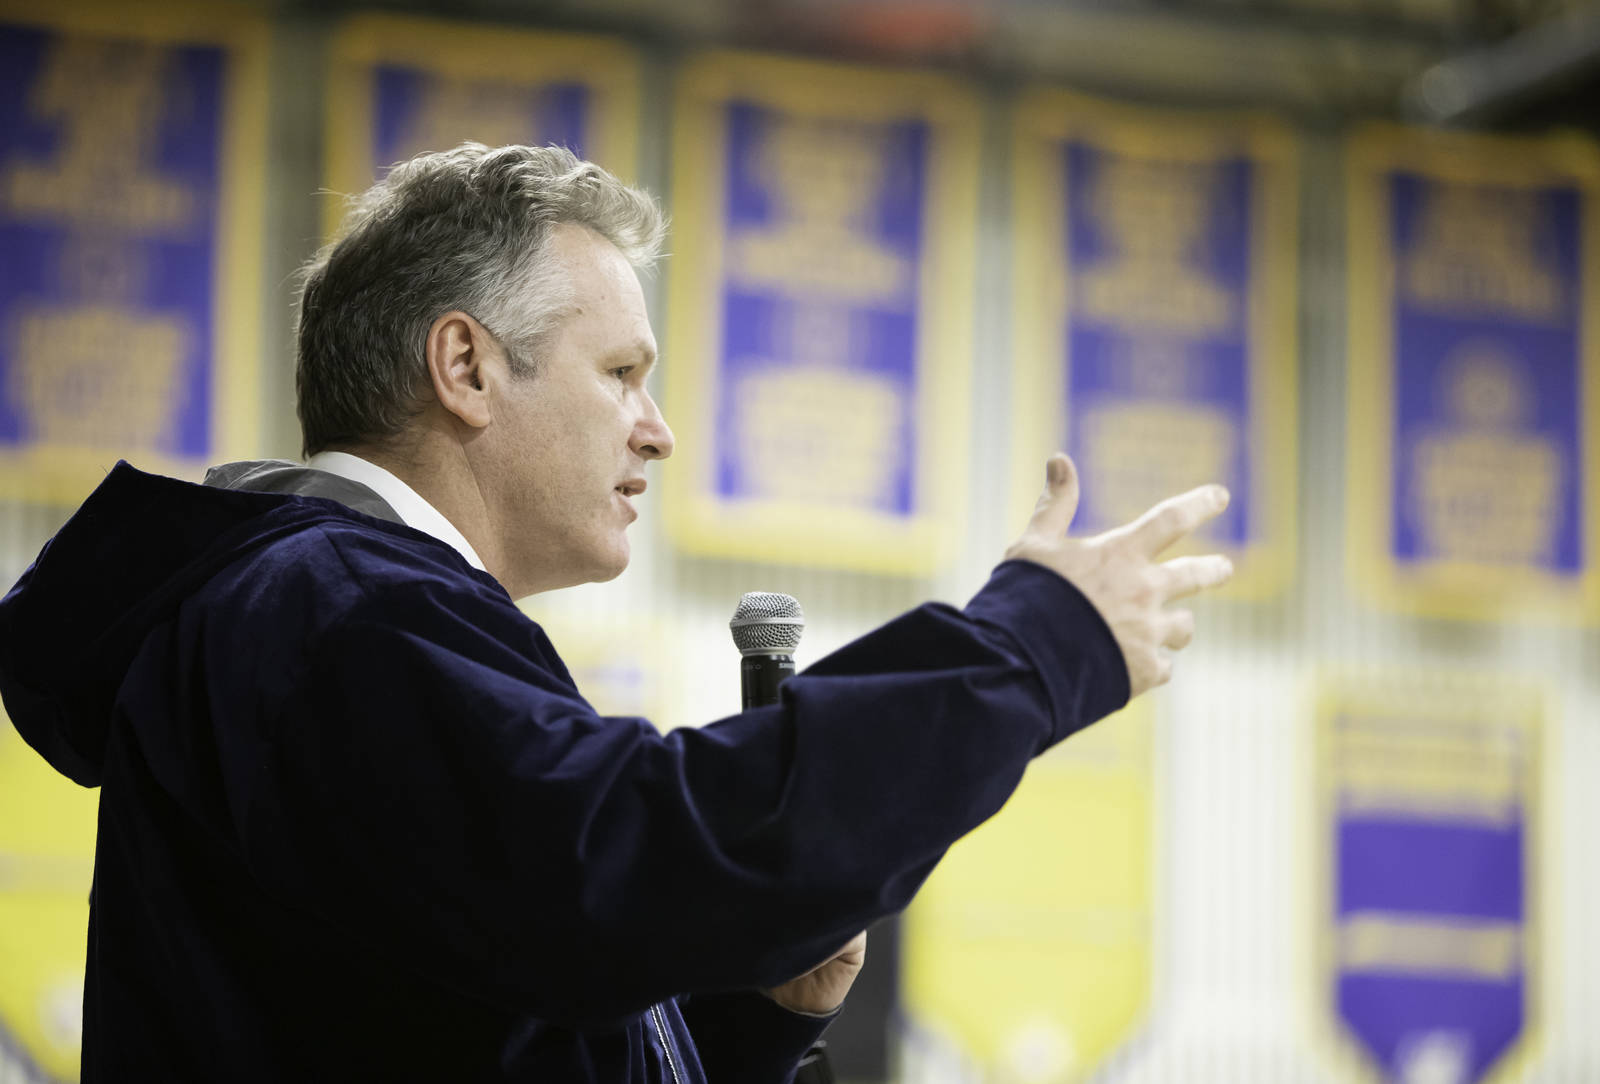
<point x="407" y="503"/>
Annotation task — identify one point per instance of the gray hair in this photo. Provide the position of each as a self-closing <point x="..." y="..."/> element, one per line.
<point x="463" y="229"/>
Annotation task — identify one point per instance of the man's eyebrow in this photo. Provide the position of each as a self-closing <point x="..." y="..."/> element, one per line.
<point x="639" y="351"/>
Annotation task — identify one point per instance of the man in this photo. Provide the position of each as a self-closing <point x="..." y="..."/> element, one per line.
<point x="356" y="822"/>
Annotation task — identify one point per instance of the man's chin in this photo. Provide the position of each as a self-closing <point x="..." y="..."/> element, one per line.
<point x="580" y="567"/>
<point x="608" y="576"/>
<point x="613" y="564"/>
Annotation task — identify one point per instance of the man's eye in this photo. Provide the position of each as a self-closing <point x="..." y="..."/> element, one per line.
<point x="622" y="371"/>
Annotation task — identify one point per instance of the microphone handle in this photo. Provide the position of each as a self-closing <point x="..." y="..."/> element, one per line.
<point x="760" y="676"/>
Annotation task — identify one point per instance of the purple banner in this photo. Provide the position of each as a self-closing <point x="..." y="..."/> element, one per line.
<point x="1432" y="828"/>
<point x="1158" y="334"/>
<point x="1487" y="374"/>
<point x="111" y="163"/>
<point x="1155" y="333"/>
<point x="1473" y="381"/>
<point x="417" y="111"/>
<point x="820" y="310"/>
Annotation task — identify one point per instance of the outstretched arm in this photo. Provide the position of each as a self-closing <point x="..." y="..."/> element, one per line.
<point x="1118" y="572"/>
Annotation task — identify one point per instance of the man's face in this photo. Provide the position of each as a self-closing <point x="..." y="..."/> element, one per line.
<point x="573" y="439"/>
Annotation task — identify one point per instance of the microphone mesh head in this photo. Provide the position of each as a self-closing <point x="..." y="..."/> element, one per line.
<point x="766" y="623"/>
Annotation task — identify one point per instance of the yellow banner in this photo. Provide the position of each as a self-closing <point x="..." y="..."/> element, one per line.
<point x="602" y="653"/>
<point x="1027" y="953"/>
<point x="47" y="834"/>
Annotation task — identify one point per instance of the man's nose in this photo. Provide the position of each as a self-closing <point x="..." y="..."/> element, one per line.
<point x="651" y="437"/>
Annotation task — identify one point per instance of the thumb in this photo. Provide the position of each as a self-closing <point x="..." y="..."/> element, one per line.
<point x="1059" y="501"/>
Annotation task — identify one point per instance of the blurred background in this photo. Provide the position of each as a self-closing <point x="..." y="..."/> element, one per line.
<point x="1339" y="254"/>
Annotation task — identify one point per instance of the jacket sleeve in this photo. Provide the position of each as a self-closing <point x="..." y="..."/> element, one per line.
<point x="436" y="781"/>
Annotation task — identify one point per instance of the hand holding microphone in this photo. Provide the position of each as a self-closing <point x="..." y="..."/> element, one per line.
<point x="766" y="629"/>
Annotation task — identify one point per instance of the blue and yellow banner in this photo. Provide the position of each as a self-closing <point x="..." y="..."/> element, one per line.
<point x="1474" y="421"/>
<point x="1427" y="920"/>
<point x="819" y="333"/>
<point x="402" y="86"/>
<point x="1026" y="956"/>
<point x="1155" y="316"/>
<point x="131" y="159"/>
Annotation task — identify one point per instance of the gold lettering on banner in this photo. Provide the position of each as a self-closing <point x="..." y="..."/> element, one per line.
<point x="1156" y="442"/>
<point x="1152" y="216"/>
<point x="1457" y="776"/>
<point x="1481" y="250"/>
<point x="98" y="376"/>
<point x="847" y="426"/>
<point x="1437" y="946"/>
<point x="489" y="112"/>
<point x="823" y="179"/>
<point x="1485" y="490"/>
<point x="106" y="97"/>
<point x="1144" y="449"/>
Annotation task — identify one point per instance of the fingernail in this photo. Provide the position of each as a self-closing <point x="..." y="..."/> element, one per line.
<point x="1227" y="566"/>
<point x="1222" y="496"/>
<point x="1055" y="471"/>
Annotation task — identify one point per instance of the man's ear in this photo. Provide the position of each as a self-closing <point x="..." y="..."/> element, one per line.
<point x="460" y="352"/>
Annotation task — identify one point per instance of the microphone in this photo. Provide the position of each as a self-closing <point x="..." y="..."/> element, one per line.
<point x="766" y="629"/>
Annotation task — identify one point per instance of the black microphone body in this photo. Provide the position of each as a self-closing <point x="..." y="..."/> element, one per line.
<point x="760" y="676"/>
<point x="766" y="629"/>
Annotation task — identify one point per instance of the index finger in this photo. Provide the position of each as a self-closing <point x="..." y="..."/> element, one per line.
<point x="1185" y="576"/>
<point x="1177" y="516"/>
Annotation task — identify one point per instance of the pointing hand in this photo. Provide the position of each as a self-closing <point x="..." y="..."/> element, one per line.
<point x="1119" y="572"/>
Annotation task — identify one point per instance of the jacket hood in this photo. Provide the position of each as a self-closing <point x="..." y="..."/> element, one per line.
<point x="72" y="625"/>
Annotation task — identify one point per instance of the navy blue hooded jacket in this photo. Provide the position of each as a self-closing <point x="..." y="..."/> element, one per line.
<point x="357" y="823"/>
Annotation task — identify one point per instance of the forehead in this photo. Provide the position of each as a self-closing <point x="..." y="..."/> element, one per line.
<point x="604" y="289"/>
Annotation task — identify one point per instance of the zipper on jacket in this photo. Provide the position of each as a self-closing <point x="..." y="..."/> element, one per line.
<point x="666" y="1047"/>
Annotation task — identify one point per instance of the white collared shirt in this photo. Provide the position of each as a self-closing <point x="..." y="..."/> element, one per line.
<point x="407" y="503"/>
